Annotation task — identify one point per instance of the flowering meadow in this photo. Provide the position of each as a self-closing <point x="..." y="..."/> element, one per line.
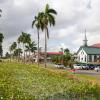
<point x="28" y="82"/>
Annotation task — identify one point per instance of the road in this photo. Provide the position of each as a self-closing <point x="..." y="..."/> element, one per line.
<point x="89" y="72"/>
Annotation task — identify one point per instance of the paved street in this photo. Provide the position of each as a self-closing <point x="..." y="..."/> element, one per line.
<point x="89" y="72"/>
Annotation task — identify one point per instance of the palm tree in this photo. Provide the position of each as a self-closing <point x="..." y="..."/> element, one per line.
<point x="1" y="40"/>
<point x="38" y="24"/>
<point x="24" y="38"/>
<point x="0" y="12"/>
<point x="18" y="42"/>
<point x="47" y="18"/>
<point x="18" y="52"/>
<point x="12" y="48"/>
<point x="31" y="47"/>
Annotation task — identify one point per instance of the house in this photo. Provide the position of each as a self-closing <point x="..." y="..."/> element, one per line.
<point x="88" y="54"/>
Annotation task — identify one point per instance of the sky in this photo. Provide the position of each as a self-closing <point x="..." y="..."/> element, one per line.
<point x="74" y="16"/>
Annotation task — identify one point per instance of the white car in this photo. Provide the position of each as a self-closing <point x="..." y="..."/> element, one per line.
<point x="97" y="68"/>
<point x="77" y="66"/>
<point x="59" y="66"/>
<point x="85" y="66"/>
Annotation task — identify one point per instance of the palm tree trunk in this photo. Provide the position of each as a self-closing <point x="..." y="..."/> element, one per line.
<point x="45" y="59"/>
<point x="29" y="56"/>
<point x="10" y="55"/>
<point x="18" y="53"/>
<point x="26" y="58"/>
<point x="24" y="52"/>
<point x="38" y="46"/>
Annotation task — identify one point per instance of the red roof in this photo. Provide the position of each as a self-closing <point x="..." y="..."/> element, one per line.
<point x="96" y="45"/>
<point x="55" y="53"/>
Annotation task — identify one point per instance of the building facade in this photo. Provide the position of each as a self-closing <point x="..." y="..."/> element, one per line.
<point x="88" y="54"/>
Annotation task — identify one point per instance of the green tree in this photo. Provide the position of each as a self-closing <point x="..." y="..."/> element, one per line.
<point x="1" y="40"/>
<point x="0" y="12"/>
<point x="18" y="52"/>
<point x="7" y="55"/>
<point x="18" y="42"/>
<point x="24" y="38"/>
<point x="31" y="47"/>
<point x="38" y="24"/>
<point x="47" y="19"/>
<point x="12" y="48"/>
<point x="67" y="57"/>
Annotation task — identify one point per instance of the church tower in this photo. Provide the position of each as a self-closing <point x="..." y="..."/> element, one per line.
<point x="85" y="39"/>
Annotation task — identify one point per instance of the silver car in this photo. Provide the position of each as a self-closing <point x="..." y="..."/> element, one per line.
<point x="97" y="68"/>
<point x="61" y="66"/>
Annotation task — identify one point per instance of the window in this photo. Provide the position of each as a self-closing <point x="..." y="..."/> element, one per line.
<point x="95" y="58"/>
<point x="81" y="58"/>
<point x="82" y="52"/>
<point x="85" y="58"/>
<point x="90" y="58"/>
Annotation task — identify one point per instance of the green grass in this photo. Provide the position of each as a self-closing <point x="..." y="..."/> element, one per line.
<point x="29" y="82"/>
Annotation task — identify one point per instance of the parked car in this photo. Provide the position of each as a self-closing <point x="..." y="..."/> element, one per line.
<point x="97" y="68"/>
<point x="61" y="66"/>
<point x="91" y="66"/>
<point x="85" y="66"/>
<point x="77" y="66"/>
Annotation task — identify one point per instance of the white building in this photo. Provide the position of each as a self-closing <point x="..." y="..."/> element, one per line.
<point x="87" y="54"/>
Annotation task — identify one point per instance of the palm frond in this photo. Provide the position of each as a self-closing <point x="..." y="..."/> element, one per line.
<point x="52" y="11"/>
<point x="51" y="19"/>
<point x="0" y="10"/>
<point x="33" y="23"/>
<point x="46" y="8"/>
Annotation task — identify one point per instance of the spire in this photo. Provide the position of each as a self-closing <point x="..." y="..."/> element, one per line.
<point x="85" y="39"/>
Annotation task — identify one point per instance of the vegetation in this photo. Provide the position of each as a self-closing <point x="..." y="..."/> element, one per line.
<point x="24" y="38"/>
<point x="65" y="58"/>
<point x="1" y="40"/>
<point x="0" y="12"/>
<point x="38" y="24"/>
<point x="47" y="18"/>
<point x="42" y="21"/>
<point x="29" y="82"/>
<point x="27" y="44"/>
<point x="20" y="81"/>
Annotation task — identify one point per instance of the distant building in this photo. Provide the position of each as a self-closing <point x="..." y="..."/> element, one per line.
<point x="88" y="54"/>
<point x="42" y="56"/>
<point x="96" y="45"/>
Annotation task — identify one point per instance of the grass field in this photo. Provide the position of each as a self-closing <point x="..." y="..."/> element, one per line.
<point x="28" y="82"/>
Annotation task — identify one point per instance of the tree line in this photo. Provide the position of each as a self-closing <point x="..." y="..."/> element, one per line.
<point x="65" y="58"/>
<point x="42" y="21"/>
<point x="1" y="39"/>
<point x="24" y="44"/>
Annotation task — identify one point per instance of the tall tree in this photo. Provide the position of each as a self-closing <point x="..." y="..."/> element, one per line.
<point x="31" y="47"/>
<point x="12" y="48"/>
<point x="47" y="19"/>
<point x="67" y="57"/>
<point x="24" y="38"/>
<point x="38" y="24"/>
<point x="1" y="40"/>
<point x="7" y="55"/>
<point x="0" y="12"/>
<point x="18" y="42"/>
<point x="18" y="52"/>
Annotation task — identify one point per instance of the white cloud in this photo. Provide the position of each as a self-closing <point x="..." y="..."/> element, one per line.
<point x="72" y="19"/>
